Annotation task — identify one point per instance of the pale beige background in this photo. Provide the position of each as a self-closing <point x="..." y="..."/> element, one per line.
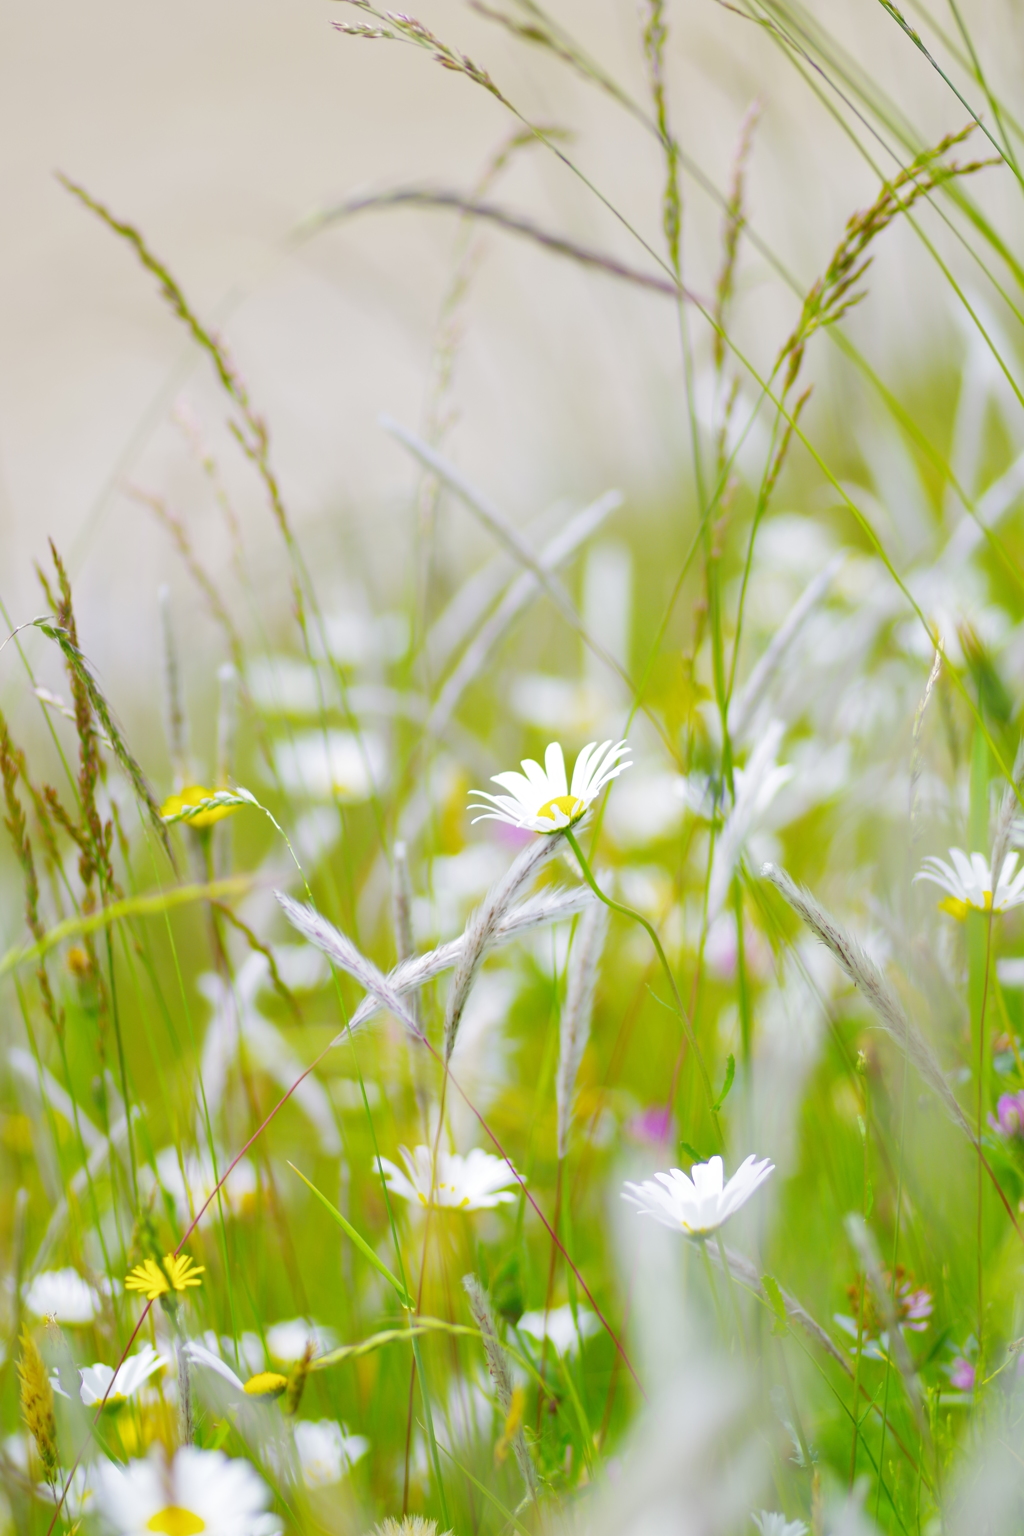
<point x="216" y="126"/>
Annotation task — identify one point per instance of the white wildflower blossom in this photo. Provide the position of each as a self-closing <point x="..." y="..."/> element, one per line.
<point x="476" y="1182"/>
<point x="195" y="1493"/>
<point x="969" y="883"/>
<point x="701" y="1202"/>
<point x="102" y="1382"/>
<point x="61" y="1294"/>
<point x="563" y="1330"/>
<point x="287" y="1340"/>
<point x="326" y="1451"/>
<point x="541" y="799"/>
<point x="769" y="1523"/>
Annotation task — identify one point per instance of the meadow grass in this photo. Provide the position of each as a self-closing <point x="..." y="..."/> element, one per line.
<point x="320" y="1099"/>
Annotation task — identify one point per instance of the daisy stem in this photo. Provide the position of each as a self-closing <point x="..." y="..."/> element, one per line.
<point x="637" y="917"/>
<point x="733" y="1292"/>
<point x="981" y="1159"/>
<point x="712" y="1283"/>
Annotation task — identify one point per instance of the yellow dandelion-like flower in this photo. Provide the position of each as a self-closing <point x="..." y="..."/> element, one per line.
<point x="176" y="807"/>
<point x="177" y="1274"/>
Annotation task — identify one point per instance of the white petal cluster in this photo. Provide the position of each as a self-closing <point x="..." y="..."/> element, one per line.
<point x="563" y="1331"/>
<point x="969" y="881"/>
<point x="326" y="1451"/>
<point x="196" y="1491"/>
<point x="476" y="1182"/>
<point x="63" y="1294"/>
<point x="287" y="1340"/>
<point x="102" y="1382"/>
<point x="541" y="799"/>
<point x="770" y="1523"/>
<point x="700" y="1202"/>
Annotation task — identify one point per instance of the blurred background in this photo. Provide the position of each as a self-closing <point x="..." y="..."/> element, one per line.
<point x="218" y="133"/>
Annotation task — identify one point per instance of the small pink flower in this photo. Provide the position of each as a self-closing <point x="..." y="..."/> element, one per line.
<point x="652" y="1127"/>
<point x="1009" y="1117"/>
<point x="961" y="1374"/>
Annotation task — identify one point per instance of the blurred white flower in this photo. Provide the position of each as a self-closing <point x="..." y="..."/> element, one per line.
<point x="325" y="1451"/>
<point x="700" y="1203"/>
<point x="190" y="1189"/>
<point x="195" y="1492"/>
<point x="323" y="764"/>
<point x="563" y="1331"/>
<point x="541" y="800"/>
<point x="122" y="1383"/>
<point x="771" y="1524"/>
<point x="755" y="786"/>
<point x="63" y="1294"/>
<point x="476" y="1182"/>
<point x="969" y="883"/>
<point x="287" y="1341"/>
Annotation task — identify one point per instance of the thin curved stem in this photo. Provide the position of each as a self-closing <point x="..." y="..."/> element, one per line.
<point x="638" y="917"/>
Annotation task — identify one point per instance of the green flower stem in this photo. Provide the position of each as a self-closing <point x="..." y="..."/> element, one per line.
<point x="637" y="917"/>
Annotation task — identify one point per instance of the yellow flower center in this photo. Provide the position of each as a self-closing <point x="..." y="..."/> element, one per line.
<point x="175" y="1521"/>
<point x="266" y="1384"/>
<point x="569" y="805"/>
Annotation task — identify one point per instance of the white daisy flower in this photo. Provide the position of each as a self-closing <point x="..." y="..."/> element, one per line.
<point x="968" y="882"/>
<point x="541" y="800"/>
<point x="122" y="1383"/>
<point x="563" y="1331"/>
<point x="190" y="1187"/>
<point x="326" y="1451"/>
<point x="771" y="1524"/>
<point x="287" y="1340"/>
<point x="196" y="1493"/>
<point x="699" y="1203"/>
<point x="63" y="1294"/>
<point x="476" y="1182"/>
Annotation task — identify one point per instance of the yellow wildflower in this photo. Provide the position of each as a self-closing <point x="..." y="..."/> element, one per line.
<point x="177" y="1274"/>
<point x="175" y="807"/>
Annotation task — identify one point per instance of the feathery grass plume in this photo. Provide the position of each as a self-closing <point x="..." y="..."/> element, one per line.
<point x="514" y="223"/>
<point x="410" y="975"/>
<point x="204" y="581"/>
<point x="483" y="925"/>
<point x="832" y="295"/>
<point x="251" y="433"/>
<point x="394" y="26"/>
<point x="500" y="1373"/>
<point x="655" y="33"/>
<point x="401" y="915"/>
<point x="864" y="973"/>
<point x="175" y="717"/>
<point x="79" y="668"/>
<point x="14" y="821"/>
<point x="340" y="950"/>
<point x="1009" y="810"/>
<point x="732" y="227"/>
<point x="297" y="1380"/>
<point x="37" y="1405"/>
<point x="577" y="1012"/>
